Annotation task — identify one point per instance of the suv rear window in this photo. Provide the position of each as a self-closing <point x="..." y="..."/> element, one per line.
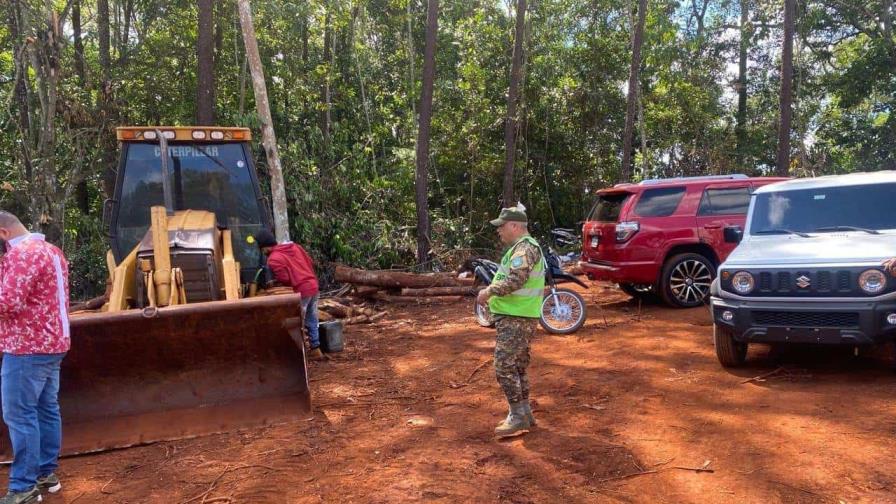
<point x="608" y="207"/>
<point x="725" y="201"/>
<point x="659" y="202"/>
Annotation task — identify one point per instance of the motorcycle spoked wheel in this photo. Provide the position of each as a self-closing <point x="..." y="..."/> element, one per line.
<point x="562" y="312"/>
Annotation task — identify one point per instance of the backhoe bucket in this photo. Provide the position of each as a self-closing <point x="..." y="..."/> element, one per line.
<point x="138" y="376"/>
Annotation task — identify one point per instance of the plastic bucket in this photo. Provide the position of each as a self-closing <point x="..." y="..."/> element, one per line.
<point x="331" y="336"/>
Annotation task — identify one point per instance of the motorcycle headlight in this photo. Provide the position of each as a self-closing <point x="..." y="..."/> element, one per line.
<point x="872" y="281"/>
<point x="742" y="282"/>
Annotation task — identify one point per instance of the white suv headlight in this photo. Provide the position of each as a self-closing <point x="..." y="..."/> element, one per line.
<point x="742" y="282"/>
<point x="872" y="281"/>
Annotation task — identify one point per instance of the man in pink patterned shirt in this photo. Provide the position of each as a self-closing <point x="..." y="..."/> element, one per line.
<point x="34" y="337"/>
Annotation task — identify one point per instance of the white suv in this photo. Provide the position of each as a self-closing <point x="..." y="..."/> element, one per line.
<point x="808" y="266"/>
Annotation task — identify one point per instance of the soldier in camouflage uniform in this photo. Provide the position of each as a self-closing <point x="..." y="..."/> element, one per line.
<point x="514" y="298"/>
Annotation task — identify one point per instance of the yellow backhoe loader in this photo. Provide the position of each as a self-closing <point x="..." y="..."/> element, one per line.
<point x="182" y="346"/>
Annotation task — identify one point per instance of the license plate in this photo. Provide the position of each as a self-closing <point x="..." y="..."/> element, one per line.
<point x="594" y="241"/>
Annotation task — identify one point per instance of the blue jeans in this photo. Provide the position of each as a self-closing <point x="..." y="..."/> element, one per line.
<point x="30" y="387"/>
<point x="310" y="306"/>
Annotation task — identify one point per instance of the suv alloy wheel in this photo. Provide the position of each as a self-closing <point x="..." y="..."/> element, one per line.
<point x="686" y="279"/>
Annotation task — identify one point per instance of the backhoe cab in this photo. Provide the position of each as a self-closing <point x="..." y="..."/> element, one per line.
<point x="213" y="201"/>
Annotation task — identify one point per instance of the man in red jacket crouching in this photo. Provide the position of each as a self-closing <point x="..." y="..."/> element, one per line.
<point x="292" y="266"/>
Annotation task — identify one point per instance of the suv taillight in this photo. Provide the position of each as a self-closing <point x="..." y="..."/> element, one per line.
<point x="625" y="230"/>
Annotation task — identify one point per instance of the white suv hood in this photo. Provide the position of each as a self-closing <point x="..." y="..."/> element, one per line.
<point x="822" y="248"/>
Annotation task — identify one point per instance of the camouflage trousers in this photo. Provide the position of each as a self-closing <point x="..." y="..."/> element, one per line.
<point x="512" y="355"/>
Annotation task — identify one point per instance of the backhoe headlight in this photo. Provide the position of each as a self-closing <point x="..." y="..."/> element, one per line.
<point x="872" y="281"/>
<point x="742" y="282"/>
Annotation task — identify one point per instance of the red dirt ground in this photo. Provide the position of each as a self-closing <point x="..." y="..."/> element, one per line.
<point x="637" y="390"/>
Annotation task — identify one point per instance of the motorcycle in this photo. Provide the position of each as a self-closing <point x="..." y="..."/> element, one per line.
<point x="562" y="310"/>
<point x="565" y="237"/>
<point x="568" y="243"/>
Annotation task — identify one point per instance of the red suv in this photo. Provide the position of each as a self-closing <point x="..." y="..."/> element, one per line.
<point x="666" y="236"/>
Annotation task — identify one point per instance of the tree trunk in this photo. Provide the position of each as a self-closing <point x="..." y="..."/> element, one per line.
<point x="642" y="131"/>
<point x="783" y="165"/>
<point x="741" y="127"/>
<point x="421" y="182"/>
<point x="47" y="201"/>
<point x="20" y="89"/>
<point x="412" y="75"/>
<point x="205" y="55"/>
<point x="78" y="43"/>
<point x="102" y="27"/>
<point x="325" y="97"/>
<point x="268" y="139"/>
<point x="625" y="174"/>
<point x="125" y="32"/>
<point x="699" y="12"/>
<point x="511" y="121"/>
<point x="304" y="39"/>
<point x="397" y="279"/>
<point x="105" y="91"/>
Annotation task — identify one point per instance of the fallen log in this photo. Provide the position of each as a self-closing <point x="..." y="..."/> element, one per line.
<point x="398" y="279"/>
<point x="274" y="291"/>
<point x="364" y="319"/>
<point x="338" y="310"/>
<point x="364" y="290"/>
<point x="89" y="305"/>
<point x="441" y="291"/>
<point x="390" y="298"/>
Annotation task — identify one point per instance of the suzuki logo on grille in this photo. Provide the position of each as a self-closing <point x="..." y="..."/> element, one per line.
<point x="803" y="282"/>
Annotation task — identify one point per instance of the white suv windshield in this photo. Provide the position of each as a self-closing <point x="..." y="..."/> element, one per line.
<point x="868" y="208"/>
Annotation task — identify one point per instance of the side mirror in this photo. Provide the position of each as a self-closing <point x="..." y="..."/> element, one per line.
<point x="733" y="234"/>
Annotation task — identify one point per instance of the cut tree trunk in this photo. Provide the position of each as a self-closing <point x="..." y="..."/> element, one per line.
<point x="365" y="291"/>
<point x="441" y="291"/>
<point x="398" y="279"/>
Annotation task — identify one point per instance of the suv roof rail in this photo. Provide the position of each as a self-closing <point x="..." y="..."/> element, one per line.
<point x="734" y="176"/>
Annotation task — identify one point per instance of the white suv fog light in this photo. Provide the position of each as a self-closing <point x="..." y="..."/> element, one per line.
<point x="727" y="316"/>
<point x="891" y="318"/>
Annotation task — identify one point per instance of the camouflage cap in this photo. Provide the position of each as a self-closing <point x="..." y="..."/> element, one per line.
<point x="512" y="214"/>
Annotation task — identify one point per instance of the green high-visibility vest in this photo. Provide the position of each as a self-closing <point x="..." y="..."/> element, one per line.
<point x="525" y="301"/>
